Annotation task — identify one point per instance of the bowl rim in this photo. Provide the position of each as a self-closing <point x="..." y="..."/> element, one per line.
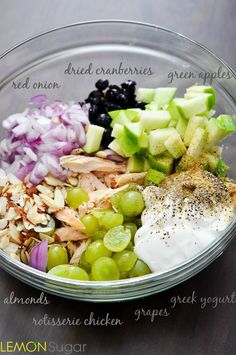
<point x="119" y="21"/>
<point x="154" y="276"/>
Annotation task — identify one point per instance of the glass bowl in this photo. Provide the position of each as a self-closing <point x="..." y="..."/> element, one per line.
<point x="65" y="63"/>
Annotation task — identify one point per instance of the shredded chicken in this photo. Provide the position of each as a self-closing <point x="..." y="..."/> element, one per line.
<point x="69" y="217"/>
<point x="99" y="199"/>
<point x="79" y="251"/>
<point x="85" y="164"/>
<point x="65" y="234"/>
<point x="117" y="180"/>
<point x="90" y="182"/>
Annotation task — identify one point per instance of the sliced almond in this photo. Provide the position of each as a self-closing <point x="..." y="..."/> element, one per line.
<point x="3" y="178"/>
<point x="59" y="198"/>
<point x="39" y="203"/>
<point x="28" y="226"/>
<point x="11" y="248"/>
<point x="14" y="234"/>
<point x="49" y="202"/>
<point x="4" y="242"/>
<point x="73" y="180"/>
<point x="3" y="223"/>
<point x="43" y="236"/>
<point x="45" y="191"/>
<point x="3" y="205"/>
<point x="51" y="180"/>
<point x="11" y="214"/>
<point x="13" y="179"/>
<point x="36" y="218"/>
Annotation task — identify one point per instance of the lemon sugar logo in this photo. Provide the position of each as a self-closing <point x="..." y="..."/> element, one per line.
<point x="27" y="347"/>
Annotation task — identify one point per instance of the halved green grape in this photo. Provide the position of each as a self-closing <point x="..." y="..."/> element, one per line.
<point x="108" y="219"/>
<point x="91" y="224"/>
<point x="99" y="234"/>
<point x="105" y="269"/>
<point x="84" y="264"/>
<point x="69" y="272"/>
<point x="132" y="227"/>
<point x="96" y="250"/>
<point x="139" y="269"/>
<point x="132" y="203"/>
<point x="76" y="197"/>
<point x="57" y="255"/>
<point x="117" y="239"/>
<point x="125" y="260"/>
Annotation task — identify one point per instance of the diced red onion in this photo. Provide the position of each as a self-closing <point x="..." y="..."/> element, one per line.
<point x="39" y="256"/>
<point x="50" y="130"/>
<point x="38" y="173"/>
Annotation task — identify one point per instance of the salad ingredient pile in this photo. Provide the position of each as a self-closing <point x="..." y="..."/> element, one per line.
<point x="126" y="183"/>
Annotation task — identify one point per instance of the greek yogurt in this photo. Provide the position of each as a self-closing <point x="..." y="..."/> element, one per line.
<point x="177" y="223"/>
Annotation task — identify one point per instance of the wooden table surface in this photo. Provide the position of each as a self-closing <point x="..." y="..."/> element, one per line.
<point x="203" y="326"/>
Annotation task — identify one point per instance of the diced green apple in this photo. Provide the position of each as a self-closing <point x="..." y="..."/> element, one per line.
<point x="143" y="143"/>
<point x="133" y="130"/>
<point x="202" y="89"/>
<point x="145" y="95"/>
<point x="197" y="105"/>
<point x="118" y="130"/>
<point x="129" y="146"/>
<point x="93" y="138"/>
<point x="135" y="164"/>
<point x="161" y="163"/>
<point x="198" y="143"/>
<point x="181" y="126"/>
<point x="157" y="139"/>
<point x="154" y="177"/>
<point x="175" y="145"/>
<point x="219" y="128"/>
<point x="116" y="147"/>
<point x="163" y="96"/>
<point x="155" y="119"/>
<point x="193" y="123"/>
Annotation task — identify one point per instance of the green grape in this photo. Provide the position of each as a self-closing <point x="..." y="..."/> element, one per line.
<point x="130" y="246"/>
<point x="132" y="203"/>
<point x="138" y="222"/>
<point x="139" y="269"/>
<point x="96" y="250"/>
<point x="116" y="198"/>
<point x="124" y="275"/>
<point x="99" y="234"/>
<point x="125" y="260"/>
<point x="132" y="227"/>
<point x="57" y="255"/>
<point x="128" y="219"/>
<point x="69" y="272"/>
<point x="105" y="269"/>
<point x="91" y="224"/>
<point x="108" y="219"/>
<point x="115" y="201"/>
<point x="83" y="263"/>
<point x="76" y="196"/>
<point x="117" y="239"/>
